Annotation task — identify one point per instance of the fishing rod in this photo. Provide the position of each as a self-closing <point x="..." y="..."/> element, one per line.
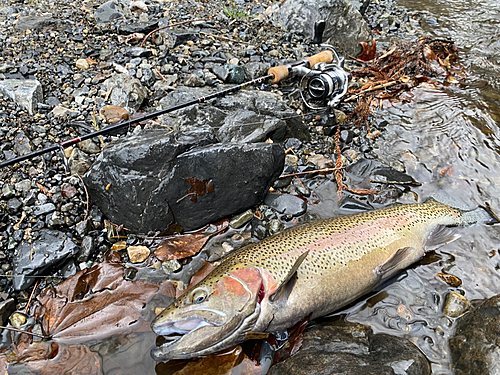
<point x="329" y="80"/>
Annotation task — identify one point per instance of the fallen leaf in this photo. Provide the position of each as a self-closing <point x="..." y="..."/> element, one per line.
<point x="70" y="359"/>
<point x="451" y="280"/>
<point x="181" y="246"/>
<point x="94" y="303"/>
<point x="294" y="342"/>
<point x="429" y="54"/>
<point x="197" y="188"/>
<point x="368" y="51"/>
<point x="214" y="364"/>
<point x="68" y="191"/>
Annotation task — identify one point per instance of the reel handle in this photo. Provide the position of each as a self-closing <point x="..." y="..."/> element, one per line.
<point x="283" y="71"/>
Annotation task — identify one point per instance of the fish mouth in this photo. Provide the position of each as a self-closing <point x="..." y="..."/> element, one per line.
<point x="173" y="331"/>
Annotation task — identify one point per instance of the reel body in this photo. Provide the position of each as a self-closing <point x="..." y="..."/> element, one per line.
<point x="324" y="85"/>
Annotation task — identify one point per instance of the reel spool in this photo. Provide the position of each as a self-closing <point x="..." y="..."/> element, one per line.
<point x="324" y="85"/>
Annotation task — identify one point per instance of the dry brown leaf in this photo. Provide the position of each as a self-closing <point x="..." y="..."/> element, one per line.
<point x="181" y="246"/>
<point x="369" y="51"/>
<point x="94" y="303"/>
<point x="70" y="359"/>
<point x="197" y="188"/>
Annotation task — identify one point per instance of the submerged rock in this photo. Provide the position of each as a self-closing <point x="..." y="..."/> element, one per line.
<point x="353" y="349"/>
<point x="149" y="181"/>
<point x="475" y="348"/>
<point x="51" y="248"/>
<point x="345" y="27"/>
<point x="27" y="93"/>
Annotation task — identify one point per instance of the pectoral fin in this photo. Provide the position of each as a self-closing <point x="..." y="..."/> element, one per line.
<point x="289" y="281"/>
<point x="439" y="237"/>
<point x="399" y="257"/>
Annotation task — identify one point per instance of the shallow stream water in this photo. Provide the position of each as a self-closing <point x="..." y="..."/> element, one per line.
<point x="448" y="139"/>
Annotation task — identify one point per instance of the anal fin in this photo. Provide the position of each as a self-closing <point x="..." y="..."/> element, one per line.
<point x="440" y="236"/>
<point x="289" y="281"/>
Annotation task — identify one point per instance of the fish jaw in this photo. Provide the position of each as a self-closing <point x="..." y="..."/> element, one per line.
<point x="230" y="309"/>
<point x="206" y="339"/>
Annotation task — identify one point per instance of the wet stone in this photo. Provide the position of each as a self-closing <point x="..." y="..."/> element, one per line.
<point x="87" y="248"/>
<point x="475" y="347"/>
<point x="171" y="266"/>
<point x="17" y="319"/>
<point x="7" y="307"/>
<point x="455" y="305"/>
<point x="349" y="348"/>
<point x="275" y="226"/>
<point x="286" y="204"/>
<point x="236" y="74"/>
<point x="138" y="52"/>
<point x="220" y="72"/>
<point x="193" y="80"/>
<point x="138" y="254"/>
<point x="22" y="144"/>
<point x="51" y="248"/>
<point x="44" y="209"/>
<point x="241" y="219"/>
<point x="13" y="205"/>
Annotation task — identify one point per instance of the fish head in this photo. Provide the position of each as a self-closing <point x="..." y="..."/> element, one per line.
<point x="212" y="316"/>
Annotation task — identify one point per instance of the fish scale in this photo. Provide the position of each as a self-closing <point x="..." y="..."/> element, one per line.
<point x="308" y="270"/>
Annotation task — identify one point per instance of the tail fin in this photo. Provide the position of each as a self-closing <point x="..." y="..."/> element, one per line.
<point x="480" y="215"/>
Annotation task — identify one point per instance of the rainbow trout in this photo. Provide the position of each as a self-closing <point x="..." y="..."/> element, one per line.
<point x="315" y="268"/>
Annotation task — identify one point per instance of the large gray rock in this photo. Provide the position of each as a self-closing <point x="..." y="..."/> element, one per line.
<point x="111" y="10"/>
<point x="149" y="181"/>
<point x="31" y="259"/>
<point x="27" y="93"/>
<point x="353" y="349"/>
<point x="126" y="91"/>
<point x="345" y="27"/>
<point x="246" y="116"/>
<point x="475" y="348"/>
<point x="39" y="23"/>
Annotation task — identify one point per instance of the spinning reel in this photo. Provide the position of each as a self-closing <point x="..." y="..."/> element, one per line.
<point x="325" y="84"/>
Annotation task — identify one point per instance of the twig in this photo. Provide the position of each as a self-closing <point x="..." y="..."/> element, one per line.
<point x="324" y="170"/>
<point x="31" y="297"/>
<point x="372" y="88"/>
<point x="224" y="38"/>
<point x="161" y="75"/>
<point x="172" y="25"/>
<point x="28" y="333"/>
<point x="87" y="196"/>
<point x="338" y="164"/>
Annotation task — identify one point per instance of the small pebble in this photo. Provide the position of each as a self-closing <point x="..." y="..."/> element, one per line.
<point x="455" y="305"/>
<point x="138" y="254"/>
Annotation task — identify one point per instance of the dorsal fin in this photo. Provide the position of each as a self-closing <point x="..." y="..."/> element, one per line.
<point x="289" y="277"/>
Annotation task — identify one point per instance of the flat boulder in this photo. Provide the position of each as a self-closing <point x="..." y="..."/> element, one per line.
<point x="154" y="179"/>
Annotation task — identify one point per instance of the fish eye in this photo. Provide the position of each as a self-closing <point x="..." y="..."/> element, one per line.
<point x="198" y="296"/>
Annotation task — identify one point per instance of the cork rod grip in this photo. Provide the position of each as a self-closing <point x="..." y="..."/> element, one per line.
<point x="325" y="56"/>
<point x="280" y="73"/>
